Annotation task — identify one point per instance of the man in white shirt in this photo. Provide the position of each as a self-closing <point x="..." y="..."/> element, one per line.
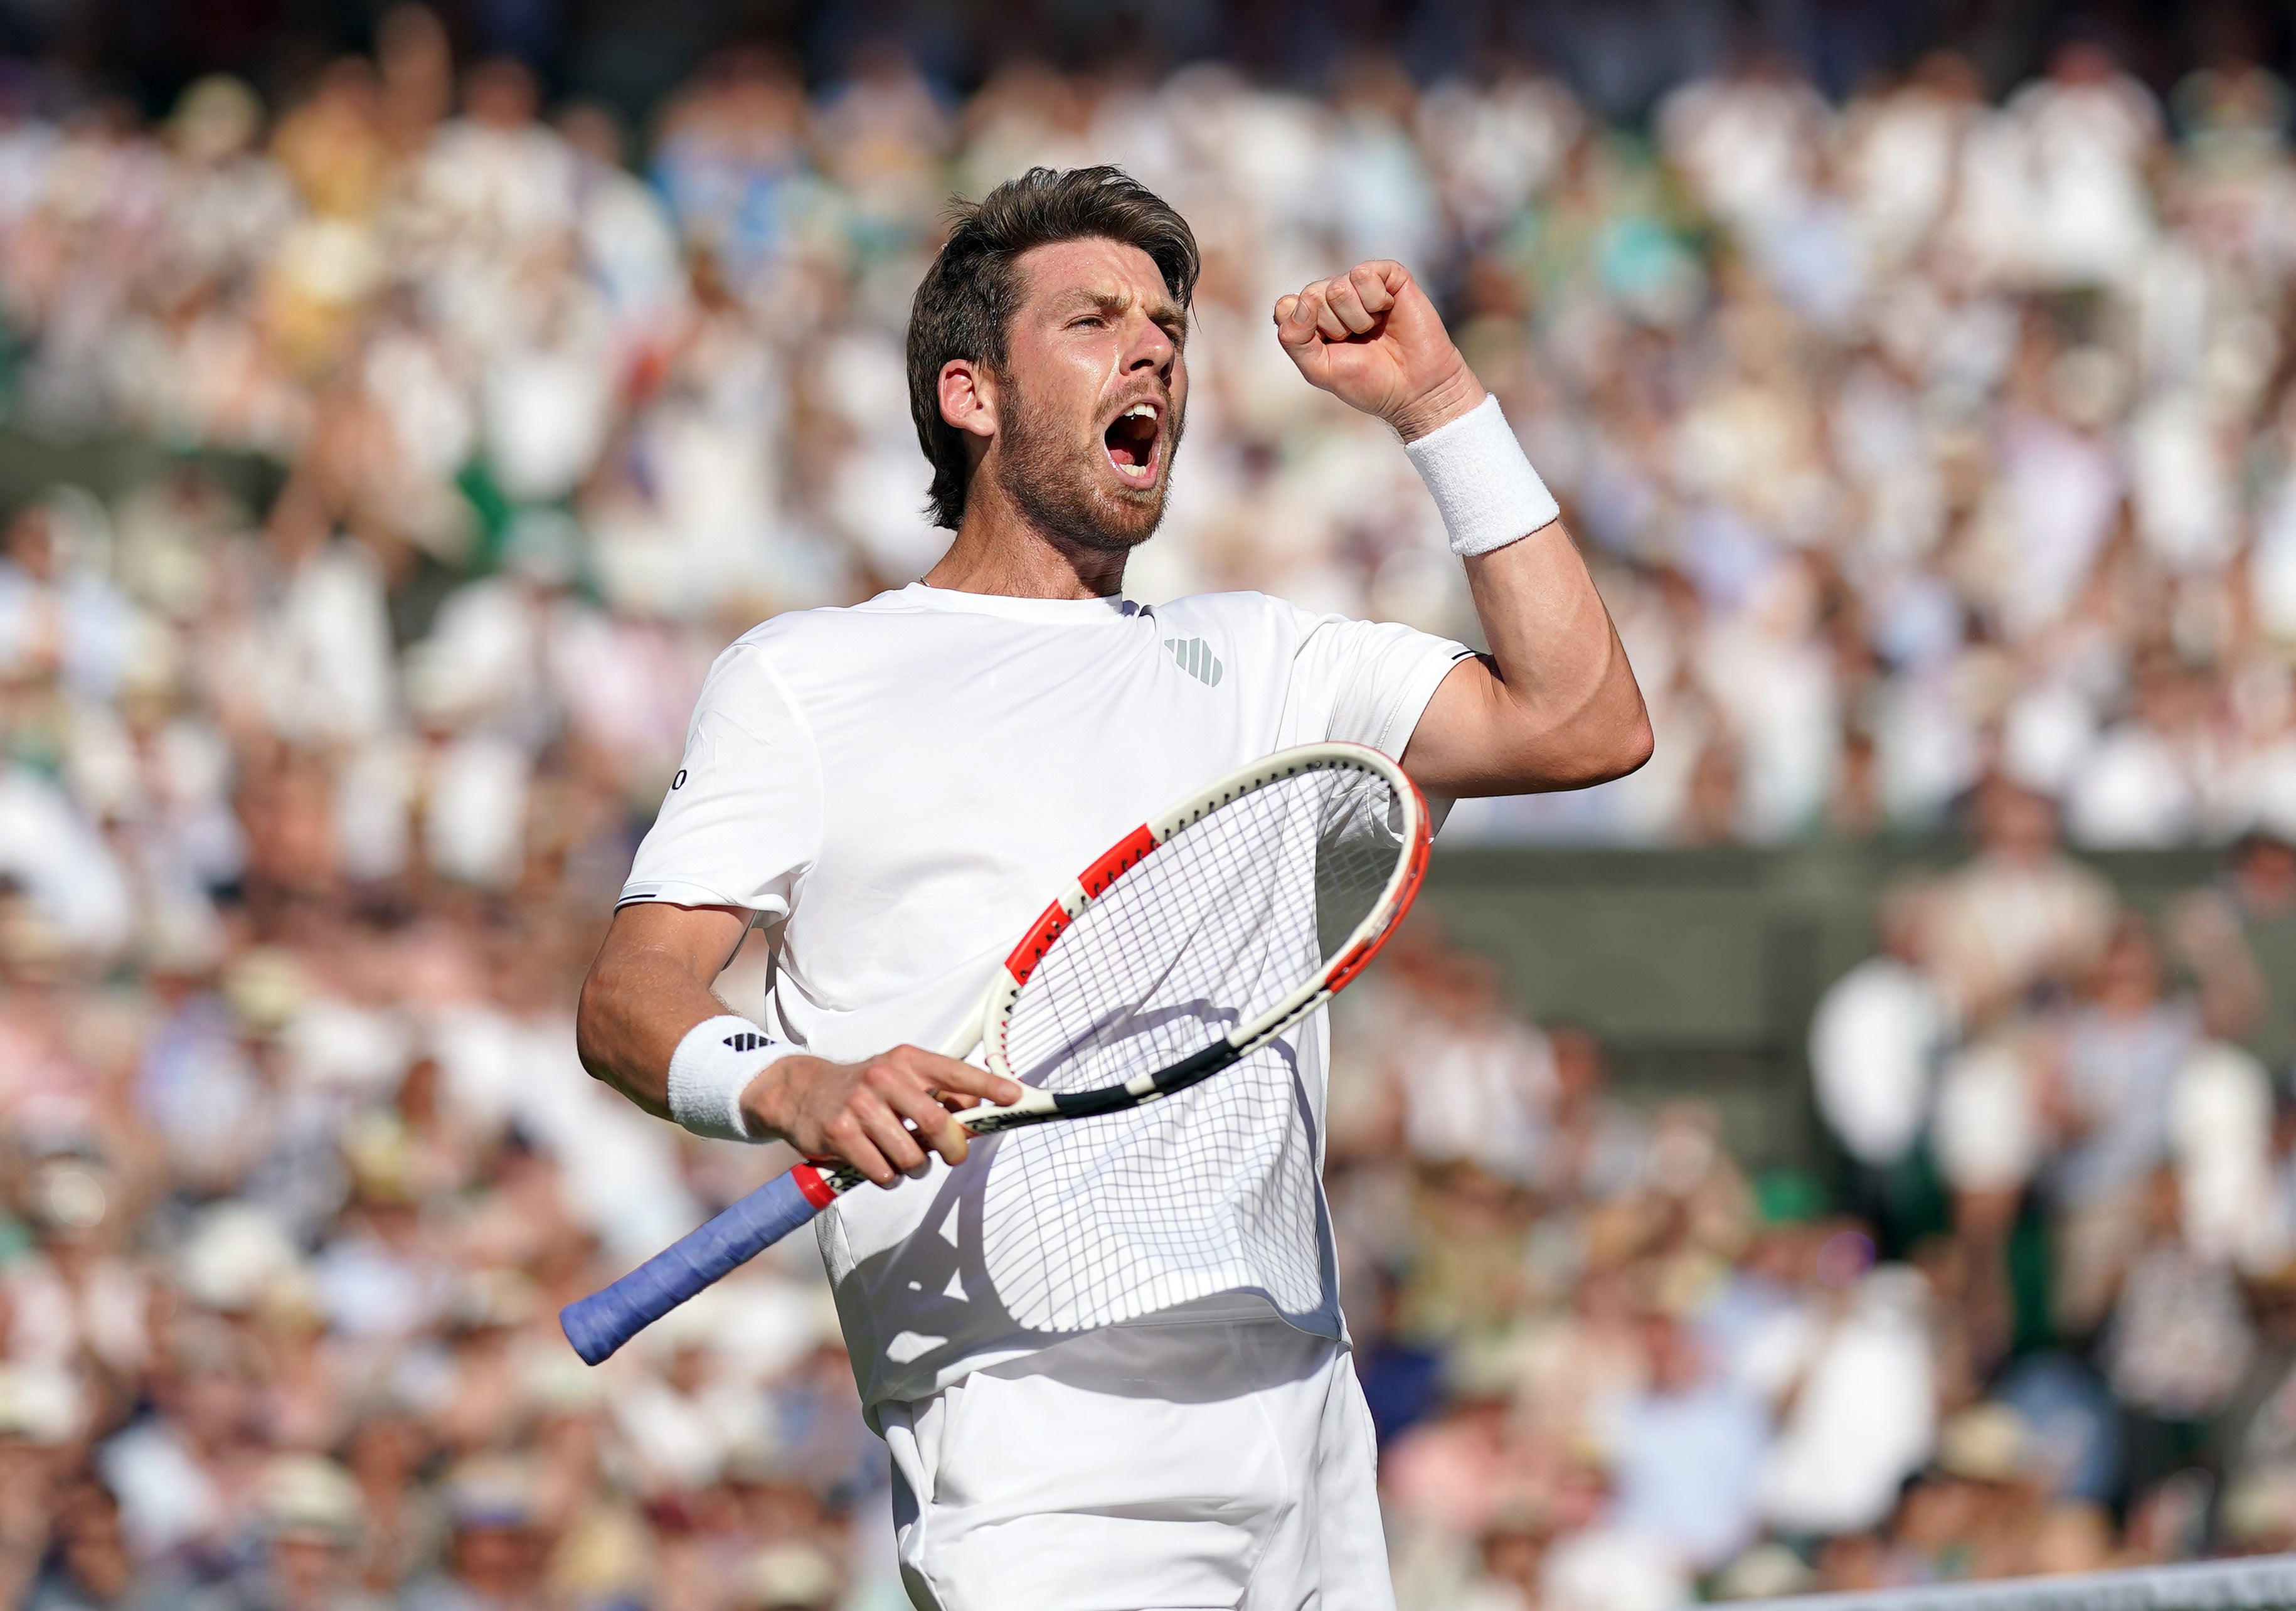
<point x="892" y="790"/>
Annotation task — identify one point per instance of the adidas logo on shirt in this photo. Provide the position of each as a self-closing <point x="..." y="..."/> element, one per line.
<point x="1194" y="656"/>
<point x="745" y="1040"/>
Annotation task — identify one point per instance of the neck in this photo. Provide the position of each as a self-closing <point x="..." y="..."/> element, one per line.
<point x="1000" y="550"/>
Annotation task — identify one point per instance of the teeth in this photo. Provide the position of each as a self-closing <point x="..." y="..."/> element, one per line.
<point x="1140" y="411"/>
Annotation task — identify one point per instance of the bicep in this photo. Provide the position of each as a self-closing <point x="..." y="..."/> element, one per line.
<point x="1555" y="704"/>
<point x="1464" y="725"/>
<point x="697" y="940"/>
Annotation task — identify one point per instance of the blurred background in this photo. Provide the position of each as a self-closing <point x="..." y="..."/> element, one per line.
<point x="1856" y="1149"/>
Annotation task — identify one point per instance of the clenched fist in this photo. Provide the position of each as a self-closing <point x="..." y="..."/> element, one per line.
<point x="878" y="1116"/>
<point x="1372" y="339"/>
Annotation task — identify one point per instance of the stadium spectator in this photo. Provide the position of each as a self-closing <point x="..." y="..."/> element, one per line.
<point x="1874" y="1041"/>
<point x="1933" y="455"/>
<point x="2116" y="1059"/>
<point x="1685" y="1452"/>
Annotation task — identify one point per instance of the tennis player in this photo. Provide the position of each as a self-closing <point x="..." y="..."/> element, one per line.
<point x="892" y="791"/>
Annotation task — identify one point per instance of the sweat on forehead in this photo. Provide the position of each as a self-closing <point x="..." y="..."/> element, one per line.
<point x="1108" y="277"/>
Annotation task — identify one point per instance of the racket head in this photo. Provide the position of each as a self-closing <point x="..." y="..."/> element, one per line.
<point x="1214" y="927"/>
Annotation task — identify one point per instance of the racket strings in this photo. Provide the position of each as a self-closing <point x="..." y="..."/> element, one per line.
<point x="1212" y="929"/>
<point x="1214" y="1187"/>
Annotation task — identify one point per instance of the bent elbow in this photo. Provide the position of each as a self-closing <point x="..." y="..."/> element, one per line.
<point x="1557" y="763"/>
<point x="590" y="1030"/>
<point x="1636" y="747"/>
<point x="1628" y="738"/>
<point x="1618" y="750"/>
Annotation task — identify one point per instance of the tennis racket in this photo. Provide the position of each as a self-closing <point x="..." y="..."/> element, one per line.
<point x="1198" y="937"/>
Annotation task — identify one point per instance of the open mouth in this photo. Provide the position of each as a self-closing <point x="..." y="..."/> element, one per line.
<point x="1131" y="440"/>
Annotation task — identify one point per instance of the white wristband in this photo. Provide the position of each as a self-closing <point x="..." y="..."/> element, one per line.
<point x="710" y="1068"/>
<point x="1489" y="494"/>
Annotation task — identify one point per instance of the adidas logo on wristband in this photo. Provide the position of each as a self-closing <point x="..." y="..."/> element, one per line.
<point x="745" y="1041"/>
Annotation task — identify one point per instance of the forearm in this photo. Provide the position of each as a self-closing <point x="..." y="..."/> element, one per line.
<point x="1553" y="704"/>
<point x="649" y="990"/>
<point x="635" y="1007"/>
<point x="1562" y="708"/>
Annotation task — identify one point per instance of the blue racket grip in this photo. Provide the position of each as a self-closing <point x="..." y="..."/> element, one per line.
<point x="607" y="1318"/>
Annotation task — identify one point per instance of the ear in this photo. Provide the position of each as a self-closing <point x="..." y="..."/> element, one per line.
<point x="968" y="397"/>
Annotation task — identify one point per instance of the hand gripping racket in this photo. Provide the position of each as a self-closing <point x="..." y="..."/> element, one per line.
<point x="1199" y="937"/>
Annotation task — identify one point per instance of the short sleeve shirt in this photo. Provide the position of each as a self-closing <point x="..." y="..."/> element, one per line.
<point x="897" y="788"/>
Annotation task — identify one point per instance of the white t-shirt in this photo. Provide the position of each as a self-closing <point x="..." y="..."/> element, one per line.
<point x="899" y="787"/>
<point x="1872" y="1043"/>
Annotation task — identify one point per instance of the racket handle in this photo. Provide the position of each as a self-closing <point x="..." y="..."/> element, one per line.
<point x="600" y="1324"/>
<point x="607" y="1318"/>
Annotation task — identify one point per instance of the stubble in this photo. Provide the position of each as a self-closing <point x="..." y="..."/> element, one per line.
<point x="1053" y="484"/>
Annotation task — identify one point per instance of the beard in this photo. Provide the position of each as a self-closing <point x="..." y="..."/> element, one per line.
<point x="1050" y="477"/>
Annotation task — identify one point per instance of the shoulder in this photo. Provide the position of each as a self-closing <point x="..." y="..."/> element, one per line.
<point x="802" y="658"/>
<point x="798" y="640"/>
<point x="826" y="624"/>
<point x="1256" y="613"/>
<point x="752" y="683"/>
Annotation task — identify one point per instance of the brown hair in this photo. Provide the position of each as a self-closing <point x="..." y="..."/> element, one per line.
<point x="964" y="307"/>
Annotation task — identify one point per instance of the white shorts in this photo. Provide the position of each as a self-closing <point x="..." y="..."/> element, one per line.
<point x="1224" y="1464"/>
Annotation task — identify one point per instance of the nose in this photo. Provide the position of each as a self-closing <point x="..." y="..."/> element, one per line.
<point x="1152" y="349"/>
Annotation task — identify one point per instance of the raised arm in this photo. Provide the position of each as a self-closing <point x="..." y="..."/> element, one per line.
<point x="1553" y="705"/>
<point x="648" y="990"/>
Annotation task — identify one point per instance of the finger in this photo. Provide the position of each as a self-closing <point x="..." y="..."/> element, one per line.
<point x="1371" y="284"/>
<point x="903" y="1086"/>
<point x="934" y="1127"/>
<point x="893" y="1140"/>
<point x="953" y="1075"/>
<point x="1328" y="322"/>
<point x="1392" y="274"/>
<point x="1284" y="307"/>
<point x="1298" y="327"/>
<point x="848" y="1140"/>
<point x="1347" y="305"/>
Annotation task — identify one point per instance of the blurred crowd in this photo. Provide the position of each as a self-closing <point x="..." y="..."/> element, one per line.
<point x="1934" y="453"/>
<point x="2038" y="1315"/>
<point x="1913" y="438"/>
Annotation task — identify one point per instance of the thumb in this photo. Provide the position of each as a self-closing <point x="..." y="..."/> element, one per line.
<point x="1295" y="320"/>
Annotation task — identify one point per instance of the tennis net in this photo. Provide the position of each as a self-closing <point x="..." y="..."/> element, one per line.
<point x="2263" y="1583"/>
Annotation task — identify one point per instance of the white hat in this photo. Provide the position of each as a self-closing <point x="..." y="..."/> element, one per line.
<point x="792" y="1576"/>
<point x="308" y="1493"/>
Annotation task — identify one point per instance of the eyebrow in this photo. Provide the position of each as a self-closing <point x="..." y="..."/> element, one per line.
<point x="1163" y="311"/>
